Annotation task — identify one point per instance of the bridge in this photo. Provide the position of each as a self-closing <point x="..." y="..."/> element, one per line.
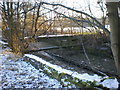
<point x="55" y="19"/>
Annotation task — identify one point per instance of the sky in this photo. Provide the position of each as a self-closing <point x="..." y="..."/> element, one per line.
<point x="81" y="5"/>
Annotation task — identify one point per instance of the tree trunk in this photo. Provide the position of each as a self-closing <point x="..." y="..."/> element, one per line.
<point x="114" y="20"/>
<point x="17" y="44"/>
<point x="14" y="37"/>
<point x="12" y="22"/>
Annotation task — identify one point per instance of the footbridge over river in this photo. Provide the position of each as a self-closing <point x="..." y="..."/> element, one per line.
<point x="55" y="19"/>
<point x="58" y="25"/>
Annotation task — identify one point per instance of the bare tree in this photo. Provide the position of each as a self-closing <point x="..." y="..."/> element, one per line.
<point x="14" y="18"/>
<point x="10" y="15"/>
<point x="101" y="4"/>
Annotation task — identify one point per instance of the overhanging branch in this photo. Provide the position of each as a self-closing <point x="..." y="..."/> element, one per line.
<point x="98" y="23"/>
<point x="77" y="20"/>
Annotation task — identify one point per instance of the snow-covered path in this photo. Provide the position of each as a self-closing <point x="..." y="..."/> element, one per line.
<point x="16" y="73"/>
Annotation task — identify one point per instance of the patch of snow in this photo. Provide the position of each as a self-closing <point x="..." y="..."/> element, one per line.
<point x="2" y="56"/>
<point x="16" y="73"/>
<point x="27" y="37"/>
<point x="3" y="42"/>
<point x="42" y="36"/>
<point x="60" y="35"/>
<point x="25" y="76"/>
<point x="86" y="76"/>
<point x="61" y="70"/>
<point x="110" y="83"/>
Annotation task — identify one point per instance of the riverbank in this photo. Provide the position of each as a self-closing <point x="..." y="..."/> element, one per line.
<point x="93" y="52"/>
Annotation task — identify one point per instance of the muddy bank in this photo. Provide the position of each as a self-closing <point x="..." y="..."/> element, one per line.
<point x="76" y="57"/>
<point x="98" y="51"/>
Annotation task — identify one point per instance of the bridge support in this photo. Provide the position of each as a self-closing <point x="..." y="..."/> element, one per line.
<point x="114" y="20"/>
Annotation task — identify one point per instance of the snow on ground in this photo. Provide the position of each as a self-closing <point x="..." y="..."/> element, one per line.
<point x="60" y="35"/>
<point x="61" y="70"/>
<point x="19" y="74"/>
<point x="3" y="42"/>
<point x="16" y="73"/>
<point x="109" y="83"/>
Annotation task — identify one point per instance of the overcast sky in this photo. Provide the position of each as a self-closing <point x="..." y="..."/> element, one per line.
<point x="81" y="5"/>
<point x="77" y="4"/>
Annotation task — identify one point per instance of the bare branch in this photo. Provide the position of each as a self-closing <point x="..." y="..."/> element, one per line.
<point x="71" y="18"/>
<point x="99" y="24"/>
